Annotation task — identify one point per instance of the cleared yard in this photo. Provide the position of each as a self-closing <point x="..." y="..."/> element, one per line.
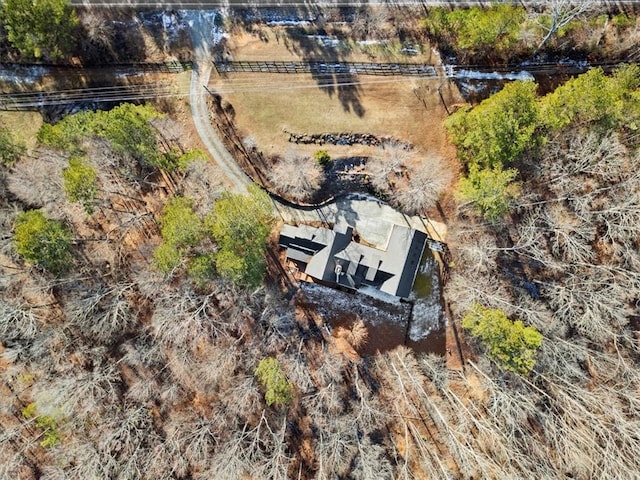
<point x="405" y="108"/>
<point x="266" y="104"/>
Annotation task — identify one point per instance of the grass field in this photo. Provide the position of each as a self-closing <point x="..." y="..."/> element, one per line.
<point x="266" y="104"/>
<point x="24" y="125"/>
<point x="278" y="43"/>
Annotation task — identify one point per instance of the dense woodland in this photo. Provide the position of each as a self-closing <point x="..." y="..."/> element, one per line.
<point x="142" y="335"/>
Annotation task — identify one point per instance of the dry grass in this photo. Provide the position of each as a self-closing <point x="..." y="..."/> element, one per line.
<point x="265" y="105"/>
<point x="286" y="44"/>
<point x="23" y="125"/>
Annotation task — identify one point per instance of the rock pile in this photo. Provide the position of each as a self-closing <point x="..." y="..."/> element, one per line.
<point x="345" y="139"/>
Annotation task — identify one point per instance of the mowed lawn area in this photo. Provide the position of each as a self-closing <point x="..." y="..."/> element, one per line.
<point x="267" y="104"/>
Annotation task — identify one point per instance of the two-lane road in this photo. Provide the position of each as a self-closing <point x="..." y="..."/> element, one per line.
<point x="214" y="4"/>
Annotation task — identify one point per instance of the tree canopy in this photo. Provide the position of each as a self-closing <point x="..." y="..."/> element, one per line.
<point x="490" y="189"/>
<point x="43" y="242"/>
<point x="40" y="29"/>
<point x="595" y="97"/>
<point x="512" y="345"/>
<point x="80" y="183"/>
<point x="240" y="224"/>
<point x="49" y="425"/>
<point x="504" y="127"/>
<point x="478" y="29"/>
<point x="126" y="127"/>
<point x="279" y="390"/>
<point x="181" y="229"/>
<point x="498" y="130"/>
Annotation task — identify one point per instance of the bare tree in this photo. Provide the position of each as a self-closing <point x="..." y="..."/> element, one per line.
<point x="424" y="187"/>
<point x="335" y="447"/>
<point x="596" y="305"/>
<point x="328" y="400"/>
<point x="372" y="22"/>
<point x="249" y="143"/>
<point x="80" y="394"/>
<point x="296" y="177"/>
<point x="102" y="311"/>
<point x="194" y="436"/>
<point x="184" y="317"/>
<point x="203" y="183"/>
<point x="389" y="162"/>
<point x="17" y="323"/>
<point x="275" y="465"/>
<point x="125" y="441"/>
<point x="229" y="460"/>
<point x="371" y="462"/>
<point x="369" y="411"/>
<point x="37" y="181"/>
<point x="99" y="31"/>
<point x="167" y="461"/>
<point x="296" y="367"/>
<point x="560" y="14"/>
<point x="358" y="334"/>
<point x="242" y="398"/>
<point x="569" y="237"/>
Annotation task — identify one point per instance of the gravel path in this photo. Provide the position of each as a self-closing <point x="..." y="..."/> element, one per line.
<point x="200" y="28"/>
<point x="202" y="121"/>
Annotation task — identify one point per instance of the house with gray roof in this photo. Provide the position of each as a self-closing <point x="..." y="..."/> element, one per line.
<point x="333" y="258"/>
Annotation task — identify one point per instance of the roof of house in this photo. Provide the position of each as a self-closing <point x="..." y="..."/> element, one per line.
<point x="332" y="256"/>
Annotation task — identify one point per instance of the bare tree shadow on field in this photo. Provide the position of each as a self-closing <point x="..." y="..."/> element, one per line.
<point x="345" y="86"/>
<point x="323" y="51"/>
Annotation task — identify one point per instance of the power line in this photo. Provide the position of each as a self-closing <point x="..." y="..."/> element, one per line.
<point x="118" y="93"/>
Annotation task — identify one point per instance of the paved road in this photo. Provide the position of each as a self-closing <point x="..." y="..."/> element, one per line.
<point x="206" y="4"/>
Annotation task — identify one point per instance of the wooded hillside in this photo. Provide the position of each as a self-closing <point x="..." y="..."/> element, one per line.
<point x="144" y="333"/>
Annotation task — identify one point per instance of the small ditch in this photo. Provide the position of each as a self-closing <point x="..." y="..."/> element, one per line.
<point x="478" y="84"/>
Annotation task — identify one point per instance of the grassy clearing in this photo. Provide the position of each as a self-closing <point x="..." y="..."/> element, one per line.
<point x="23" y="125"/>
<point x="267" y="104"/>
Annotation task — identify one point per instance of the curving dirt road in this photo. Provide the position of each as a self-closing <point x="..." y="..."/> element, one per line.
<point x="202" y="121"/>
<point x="200" y="27"/>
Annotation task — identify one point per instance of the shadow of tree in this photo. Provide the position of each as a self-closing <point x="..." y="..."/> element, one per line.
<point x="311" y="46"/>
<point x="109" y="36"/>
